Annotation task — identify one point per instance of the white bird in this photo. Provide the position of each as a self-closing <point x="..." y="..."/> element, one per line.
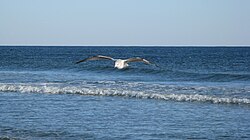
<point x="119" y="63"/>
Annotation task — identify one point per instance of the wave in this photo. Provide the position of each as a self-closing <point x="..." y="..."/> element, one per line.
<point x="211" y="77"/>
<point x="173" y="74"/>
<point x="59" y="89"/>
<point x="133" y="73"/>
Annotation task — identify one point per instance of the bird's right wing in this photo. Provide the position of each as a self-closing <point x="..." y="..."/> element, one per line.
<point x="98" y="57"/>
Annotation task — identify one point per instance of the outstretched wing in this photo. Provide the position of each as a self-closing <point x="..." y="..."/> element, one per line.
<point x="138" y="59"/>
<point x="98" y="57"/>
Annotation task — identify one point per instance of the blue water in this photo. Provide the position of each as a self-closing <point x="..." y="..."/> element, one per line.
<point x="195" y="93"/>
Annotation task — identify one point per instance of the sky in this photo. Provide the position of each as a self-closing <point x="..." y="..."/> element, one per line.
<point x="125" y="22"/>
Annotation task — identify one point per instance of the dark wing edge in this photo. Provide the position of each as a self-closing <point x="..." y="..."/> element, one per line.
<point x="98" y="57"/>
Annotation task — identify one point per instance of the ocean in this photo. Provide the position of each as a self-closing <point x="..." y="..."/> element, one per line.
<point x="194" y="93"/>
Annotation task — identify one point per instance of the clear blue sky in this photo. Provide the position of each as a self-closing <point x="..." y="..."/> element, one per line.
<point x="124" y="22"/>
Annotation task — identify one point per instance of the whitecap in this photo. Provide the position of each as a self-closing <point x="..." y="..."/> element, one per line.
<point x="97" y="91"/>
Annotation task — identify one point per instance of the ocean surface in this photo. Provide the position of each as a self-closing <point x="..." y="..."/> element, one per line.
<point x="194" y="93"/>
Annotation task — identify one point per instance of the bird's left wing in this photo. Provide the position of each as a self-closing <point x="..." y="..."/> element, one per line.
<point x="138" y="59"/>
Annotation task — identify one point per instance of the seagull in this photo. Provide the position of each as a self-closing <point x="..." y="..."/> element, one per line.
<point x="119" y="63"/>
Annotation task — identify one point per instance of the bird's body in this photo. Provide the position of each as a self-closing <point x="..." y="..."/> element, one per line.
<point x="119" y="63"/>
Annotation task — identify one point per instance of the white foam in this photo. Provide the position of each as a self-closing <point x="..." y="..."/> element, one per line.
<point x="59" y="89"/>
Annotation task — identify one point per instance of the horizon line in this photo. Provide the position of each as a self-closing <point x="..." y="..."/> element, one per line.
<point x="78" y="45"/>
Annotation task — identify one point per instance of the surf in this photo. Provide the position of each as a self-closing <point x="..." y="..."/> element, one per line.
<point x="53" y="88"/>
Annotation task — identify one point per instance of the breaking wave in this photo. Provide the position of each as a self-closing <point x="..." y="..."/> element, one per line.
<point x="97" y="91"/>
